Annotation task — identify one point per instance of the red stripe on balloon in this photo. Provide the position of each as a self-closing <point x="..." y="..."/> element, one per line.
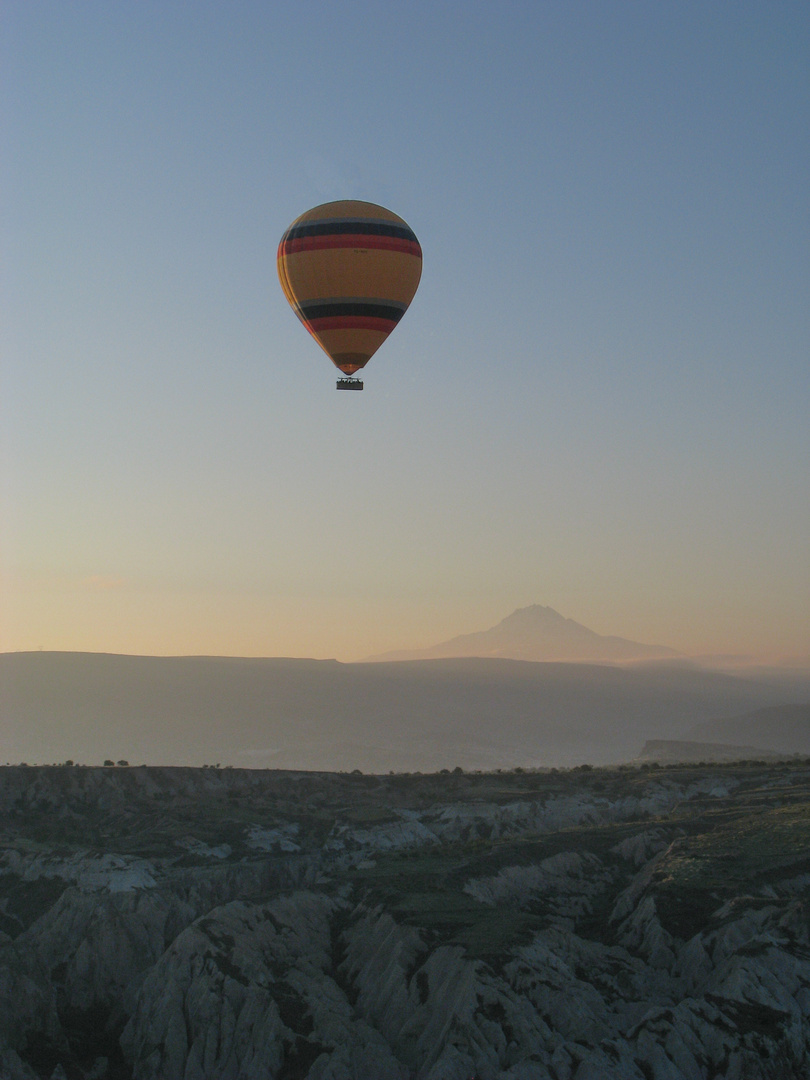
<point x="349" y="240"/>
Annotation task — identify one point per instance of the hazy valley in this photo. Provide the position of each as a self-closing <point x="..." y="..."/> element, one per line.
<point x="309" y="714"/>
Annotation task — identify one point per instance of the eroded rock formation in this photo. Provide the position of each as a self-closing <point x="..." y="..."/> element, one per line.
<point x="629" y="924"/>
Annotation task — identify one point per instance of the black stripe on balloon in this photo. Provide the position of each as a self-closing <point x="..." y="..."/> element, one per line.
<point x="354" y="228"/>
<point x="323" y="309"/>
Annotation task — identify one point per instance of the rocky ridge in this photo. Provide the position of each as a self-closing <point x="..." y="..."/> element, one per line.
<point x="630" y="924"/>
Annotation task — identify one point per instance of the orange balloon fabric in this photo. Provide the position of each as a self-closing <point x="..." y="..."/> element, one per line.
<point x="349" y="270"/>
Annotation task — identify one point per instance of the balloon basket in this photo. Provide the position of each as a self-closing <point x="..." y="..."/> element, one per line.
<point x="349" y="384"/>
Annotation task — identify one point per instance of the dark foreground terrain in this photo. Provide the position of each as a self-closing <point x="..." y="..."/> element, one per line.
<point x="592" y="924"/>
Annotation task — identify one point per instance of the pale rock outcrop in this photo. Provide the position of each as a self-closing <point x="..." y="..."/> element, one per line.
<point x="202" y="850"/>
<point x="639" y="849"/>
<point x="380" y="959"/>
<point x="279" y="839"/>
<point x="27" y="1003"/>
<point x="96" y="947"/>
<point x="12" y="1067"/>
<point x="115" y="873"/>
<point x="642" y="932"/>
<point x="211" y="1005"/>
<point x="567" y="881"/>
<point x="490" y="821"/>
<point x="393" y="836"/>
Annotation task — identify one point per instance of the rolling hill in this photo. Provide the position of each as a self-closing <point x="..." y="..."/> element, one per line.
<point x="320" y="714"/>
<point x="780" y="728"/>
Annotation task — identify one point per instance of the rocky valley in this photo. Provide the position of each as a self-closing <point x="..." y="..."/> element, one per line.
<point x="627" y="923"/>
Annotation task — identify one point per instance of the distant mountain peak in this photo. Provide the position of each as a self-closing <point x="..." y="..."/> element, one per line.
<point x="541" y="634"/>
<point x="534" y="613"/>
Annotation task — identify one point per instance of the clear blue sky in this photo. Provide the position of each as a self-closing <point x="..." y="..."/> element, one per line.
<point x="598" y="400"/>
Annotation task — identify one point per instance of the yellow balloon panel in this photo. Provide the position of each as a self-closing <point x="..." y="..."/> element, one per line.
<point x="353" y="272"/>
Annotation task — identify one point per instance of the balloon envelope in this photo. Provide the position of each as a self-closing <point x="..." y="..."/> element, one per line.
<point x="349" y="269"/>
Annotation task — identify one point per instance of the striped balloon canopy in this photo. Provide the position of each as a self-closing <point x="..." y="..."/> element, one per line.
<point x="349" y="269"/>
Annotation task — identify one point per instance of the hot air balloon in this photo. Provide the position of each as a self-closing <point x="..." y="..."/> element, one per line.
<point x="349" y="270"/>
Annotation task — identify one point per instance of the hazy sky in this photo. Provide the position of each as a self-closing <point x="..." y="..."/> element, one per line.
<point x="598" y="400"/>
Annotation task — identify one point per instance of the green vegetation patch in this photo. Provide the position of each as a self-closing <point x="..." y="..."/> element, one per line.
<point x="369" y="815"/>
<point x="425" y="890"/>
<point x="450" y="917"/>
<point x="749" y="848"/>
<point x="425" y="887"/>
<point x="737" y="856"/>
